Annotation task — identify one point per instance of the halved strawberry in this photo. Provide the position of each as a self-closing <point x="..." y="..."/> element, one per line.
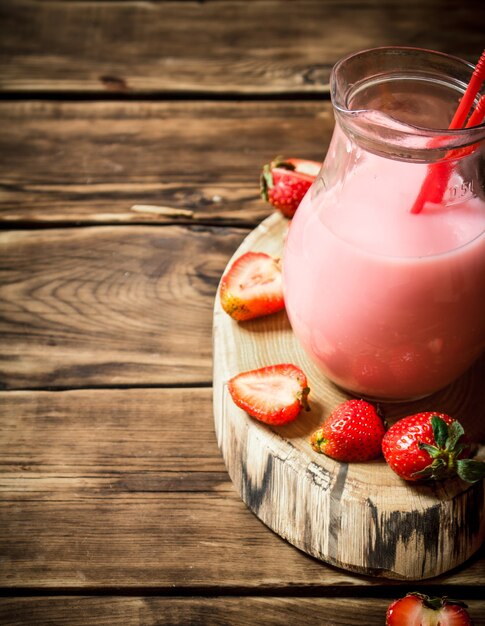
<point x="417" y="609"/>
<point x="252" y="287"/>
<point x="284" y="182"/>
<point x="274" y="394"/>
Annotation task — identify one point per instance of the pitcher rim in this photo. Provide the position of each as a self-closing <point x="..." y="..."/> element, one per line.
<point x="404" y="131"/>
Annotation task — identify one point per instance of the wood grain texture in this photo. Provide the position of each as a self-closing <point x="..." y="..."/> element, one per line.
<point x="78" y="163"/>
<point x="109" y="305"/>
<point x="106" y="488"/>
<point x="140" y="611"/>
<point x="359" y="516"/>
<point x="264" y="47"/>
<point x="124" y="492"/>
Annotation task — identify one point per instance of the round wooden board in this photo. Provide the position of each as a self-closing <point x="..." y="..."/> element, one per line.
<point x="357" y="516"/>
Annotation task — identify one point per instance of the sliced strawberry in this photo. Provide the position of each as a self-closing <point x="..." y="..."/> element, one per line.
<point x="284" y="182"/>
<point x="252" y="287"/>
<point x="352" y="432"/>
<point x="417" y="609"/>
<point x="274" y="394"/>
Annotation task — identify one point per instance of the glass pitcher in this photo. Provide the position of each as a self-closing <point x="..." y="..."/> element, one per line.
<point x="386" y="293"/>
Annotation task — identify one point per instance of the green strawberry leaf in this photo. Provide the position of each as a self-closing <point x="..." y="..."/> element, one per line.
<point x="440" y="430"/>
<point x="279" y="161"/>
<point x="470" y="470"/>
<point x="427" y="472"/>
<point x="438" y="470"/>
<point x="436" y="603"/>
<point x="459" y="449"/>
<point x="266" y="182"/>
<point x="455" y="432"/>
<point x="433" y="603"/>
<point x="433" y="451"/>
<point x="268" y="177"/>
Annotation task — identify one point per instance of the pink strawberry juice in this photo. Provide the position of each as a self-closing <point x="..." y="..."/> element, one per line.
<point x="390" y="304"/>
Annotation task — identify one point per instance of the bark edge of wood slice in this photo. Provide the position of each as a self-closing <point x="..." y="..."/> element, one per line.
<point x="360" y="516"/>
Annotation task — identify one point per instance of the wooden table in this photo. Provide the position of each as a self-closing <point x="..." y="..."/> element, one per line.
<point x="116" y="507"/>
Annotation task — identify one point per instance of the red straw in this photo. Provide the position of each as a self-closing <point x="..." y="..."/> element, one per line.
<point x="470" y="94"/>
<point x="478" y="115"/>
<point x="436" y="180"/>
<point x="476" y="118"/>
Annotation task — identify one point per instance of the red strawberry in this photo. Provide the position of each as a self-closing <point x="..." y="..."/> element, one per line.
<point x="352" y="432"/>
<point x="252" y="287"/>
<point x="284" y="182"/>
<point x="417" y="609"/>
<point x="429" y="445"/>
<point x="274" y="395"/>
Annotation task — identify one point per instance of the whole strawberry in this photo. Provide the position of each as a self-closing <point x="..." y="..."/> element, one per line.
<point x="284" y="182"/>
<point x="429" y="445"/>
<point x="352" y="432"/>
<point x="417" y="609"/>
<point x="275" y="394"/>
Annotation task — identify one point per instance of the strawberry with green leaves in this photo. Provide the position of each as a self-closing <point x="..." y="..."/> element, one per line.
<point x="417" y="609"/>
<point x="274" y="395"/>
<point x="430" y="445"/>
<point x="284" y="182"/>
<point x="352" y="432"/>
<point x="252" y="287"/>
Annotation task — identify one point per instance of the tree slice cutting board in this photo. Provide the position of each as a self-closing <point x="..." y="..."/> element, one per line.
<point x="357" y="516"/>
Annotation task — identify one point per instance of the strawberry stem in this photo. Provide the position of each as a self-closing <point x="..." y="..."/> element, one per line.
<point x="303" y="396"/>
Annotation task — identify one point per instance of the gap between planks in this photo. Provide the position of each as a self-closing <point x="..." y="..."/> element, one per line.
<point x="62" y="388"/>
<point x="208" y="223"/>
<point x="467" y="592"/>
<point x="164" y="96"/>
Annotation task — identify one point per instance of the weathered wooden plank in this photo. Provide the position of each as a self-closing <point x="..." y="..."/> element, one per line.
<point x="151" y="611"/>
<point x="266" y="47"/>
<point x="71" y="162"/>
<point x="137" y="540"/>
<point x="116" y="441"/>
<point x="90" y="497"/>
<point x="109" y="305"/>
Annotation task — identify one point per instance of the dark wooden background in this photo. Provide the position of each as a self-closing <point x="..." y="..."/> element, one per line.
<point x="115" y="504"/>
